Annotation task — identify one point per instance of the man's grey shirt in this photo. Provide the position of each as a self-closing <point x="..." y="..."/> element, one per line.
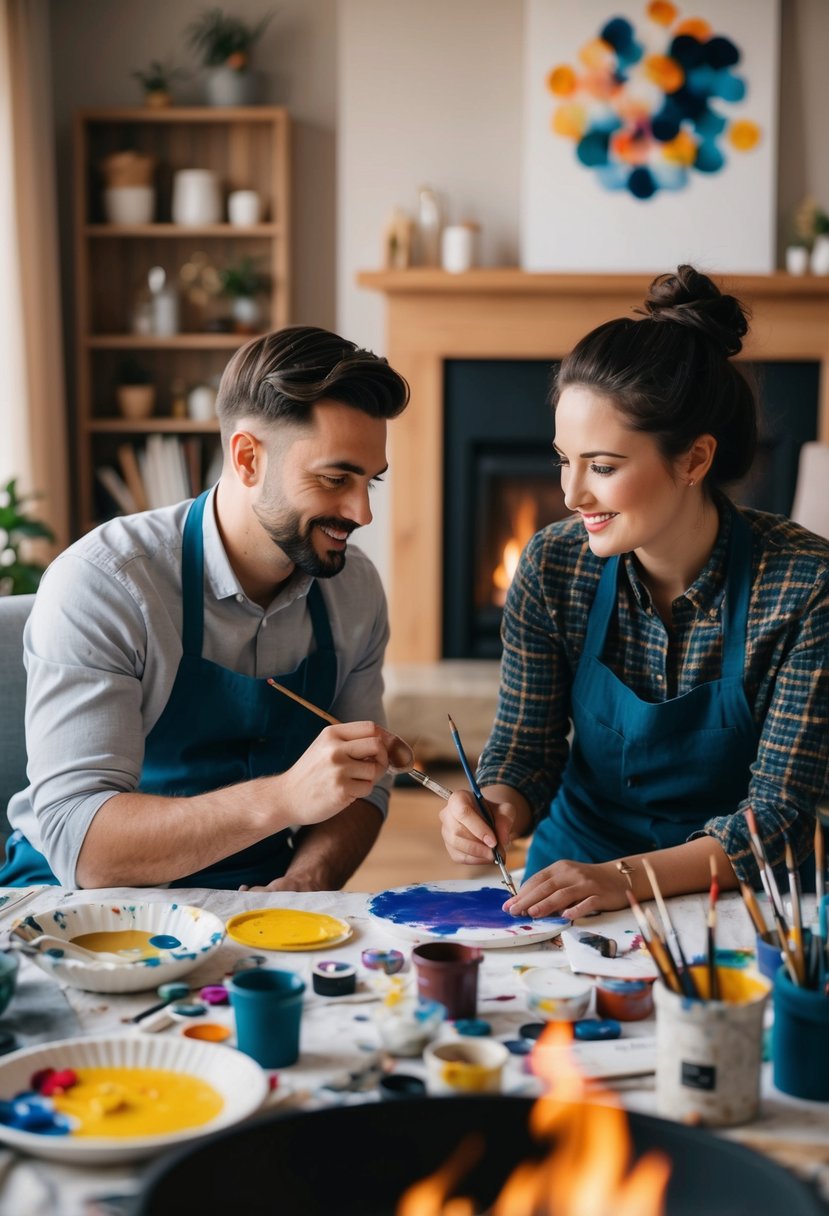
<point x="102" y="648"/>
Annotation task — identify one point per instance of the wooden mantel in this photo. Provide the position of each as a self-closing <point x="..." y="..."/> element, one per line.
<point x="432" y="316"/>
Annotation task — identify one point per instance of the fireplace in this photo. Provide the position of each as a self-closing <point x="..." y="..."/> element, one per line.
<point x="501" y="482"/>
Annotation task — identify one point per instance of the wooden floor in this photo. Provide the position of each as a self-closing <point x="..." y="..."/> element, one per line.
<point x="410" y="848"/>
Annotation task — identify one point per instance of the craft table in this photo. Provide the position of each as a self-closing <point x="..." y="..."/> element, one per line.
<point x="339" y="1037"/>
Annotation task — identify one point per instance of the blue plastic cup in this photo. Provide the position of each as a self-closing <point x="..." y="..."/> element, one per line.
<point x="799" y="1038"/>
<point x="267" y="1006"/>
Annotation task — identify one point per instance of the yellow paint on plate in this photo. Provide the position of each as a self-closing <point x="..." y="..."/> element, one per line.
<point x="132" y="942"/>
<point x="287" y="929"/>
<point x="128" y="1102"/>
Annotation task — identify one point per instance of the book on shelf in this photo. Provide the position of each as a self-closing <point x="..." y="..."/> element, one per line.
<point x="132" y="475"/>
<point x="116" y="488"/>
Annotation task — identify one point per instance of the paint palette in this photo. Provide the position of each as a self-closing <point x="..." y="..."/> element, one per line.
<point x="157" y="942"/>
<point x="287" y="929"/>
<point x="459" y="912"/>
<point x="238" y="1080"/>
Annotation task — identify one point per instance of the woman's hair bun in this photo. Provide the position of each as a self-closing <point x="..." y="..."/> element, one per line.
<point x="691" y="299"/>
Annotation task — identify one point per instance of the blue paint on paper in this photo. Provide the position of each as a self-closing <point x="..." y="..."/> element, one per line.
<point x="446" y="912"/>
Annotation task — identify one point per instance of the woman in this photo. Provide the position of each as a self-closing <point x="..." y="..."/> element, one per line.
<point x="686" y="639"/>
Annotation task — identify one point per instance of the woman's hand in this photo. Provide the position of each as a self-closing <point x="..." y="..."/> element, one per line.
<point x="571" y="889"/>
<point x="468" y="837"/>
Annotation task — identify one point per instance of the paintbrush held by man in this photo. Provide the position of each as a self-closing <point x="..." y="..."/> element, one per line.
<point x="682" y="638"/>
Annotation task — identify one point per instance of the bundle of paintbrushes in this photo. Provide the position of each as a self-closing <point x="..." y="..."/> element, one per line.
<point x="663" y="943"/>
<point x="804" y="954"/>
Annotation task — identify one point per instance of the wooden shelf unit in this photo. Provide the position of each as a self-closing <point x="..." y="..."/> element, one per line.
<point x="248" y="148"/>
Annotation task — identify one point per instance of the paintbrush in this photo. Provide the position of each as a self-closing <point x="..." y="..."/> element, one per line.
<point x="653" y="945"/>
<point x="713" y="895"/>
<point x="414" y="773"/>
<point x="766" y="872"/>
<point x="753" y="908"/>
<point x="486" y="814"/>
<point x="670" y="962"/>
<point x="797" y="914"/>
<point x="820" y="862"/>
<point x="686" y="980"/>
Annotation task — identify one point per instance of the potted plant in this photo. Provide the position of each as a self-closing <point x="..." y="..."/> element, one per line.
<point x="135" y="392"/>
<point x="17" y="576"/>
<point x="243" y="283"/>
<point x="156" y="81"/>
<point x="224" y="44"/>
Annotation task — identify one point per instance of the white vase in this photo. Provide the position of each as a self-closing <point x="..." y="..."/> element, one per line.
<point x="196" y="198"/>
<point x="797" y="259"/>
<point x="247" y="314"/>
<point x="228" y="87"/>
<point x="820" y="255"/>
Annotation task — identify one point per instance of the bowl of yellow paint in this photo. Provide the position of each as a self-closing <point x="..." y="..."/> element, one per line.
<point x="124" y="1097"/>
<point x="141" y="945"/>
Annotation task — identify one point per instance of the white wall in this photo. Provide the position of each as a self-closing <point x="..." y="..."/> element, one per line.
<point x="430" y="92"/>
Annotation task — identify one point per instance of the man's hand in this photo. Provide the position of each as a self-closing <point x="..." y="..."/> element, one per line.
<point x="344" y="763"/>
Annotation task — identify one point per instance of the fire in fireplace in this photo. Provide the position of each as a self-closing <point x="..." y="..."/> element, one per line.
<point x="501" y="482"/>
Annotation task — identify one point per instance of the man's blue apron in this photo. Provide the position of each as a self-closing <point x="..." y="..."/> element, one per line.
<point x="219" y="728"/>
<point x="644" y="775"/>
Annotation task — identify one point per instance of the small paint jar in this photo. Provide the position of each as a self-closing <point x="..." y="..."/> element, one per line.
<point x="388" y="961"/>
<point x="556" y="995"/>
<point x="333" y="978"/>
<point x="397" y="1086"/>
<point x="799" y="1035"/>
<point x="470" y="1066"/>
<point x="624" y="1000"/>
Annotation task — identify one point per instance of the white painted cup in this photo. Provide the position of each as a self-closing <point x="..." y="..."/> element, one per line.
<point x="244" y="208"/>
<point x="708" y="1053"/>
<point x="797" y="259"/>
<point x="129" y="204"/>
<point x="465" y="1066"/>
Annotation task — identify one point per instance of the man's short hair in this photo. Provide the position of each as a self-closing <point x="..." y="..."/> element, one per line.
<point x="282" y="375"/>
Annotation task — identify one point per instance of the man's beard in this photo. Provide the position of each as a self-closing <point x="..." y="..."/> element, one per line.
<point x="297" y="542"/>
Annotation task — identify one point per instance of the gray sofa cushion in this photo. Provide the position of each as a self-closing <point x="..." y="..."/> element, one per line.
<point x="14" y="609"/>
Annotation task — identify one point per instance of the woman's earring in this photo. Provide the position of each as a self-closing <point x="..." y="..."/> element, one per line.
<point x="691" y="483"/>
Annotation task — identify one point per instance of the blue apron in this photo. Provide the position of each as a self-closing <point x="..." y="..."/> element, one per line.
<point x="237" y="728"/>
<point x="644" y="775"/>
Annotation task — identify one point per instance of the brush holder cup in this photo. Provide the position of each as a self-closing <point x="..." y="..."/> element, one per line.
<point x="448" y="973"/>
<point x="708" y="1053"/>
<point x="799" y="1038"/>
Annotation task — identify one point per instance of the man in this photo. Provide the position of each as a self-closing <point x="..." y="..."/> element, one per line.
<point x="158" y="753"/>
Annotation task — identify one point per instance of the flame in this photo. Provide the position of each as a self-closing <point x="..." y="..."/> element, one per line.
<point x="586" y="1173"/>
<point x="523" y="523"/>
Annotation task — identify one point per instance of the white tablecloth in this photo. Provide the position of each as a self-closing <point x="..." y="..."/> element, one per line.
<point x="339" y="1036"/>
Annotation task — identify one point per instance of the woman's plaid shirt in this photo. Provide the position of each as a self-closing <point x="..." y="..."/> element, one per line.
<point x="786" y="674"/>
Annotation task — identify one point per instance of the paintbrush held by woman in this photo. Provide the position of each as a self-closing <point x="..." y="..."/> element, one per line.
<point x="685" y="639"/>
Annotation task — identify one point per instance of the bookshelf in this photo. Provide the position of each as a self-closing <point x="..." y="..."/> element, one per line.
<point x="247" y="149"/>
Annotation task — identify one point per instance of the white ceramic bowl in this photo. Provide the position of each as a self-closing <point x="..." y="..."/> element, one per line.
<point x="555" y="995"/>
<point x="199" y="933"/>
<point x="129" y="204"/>
<point x="239" y="1079"/>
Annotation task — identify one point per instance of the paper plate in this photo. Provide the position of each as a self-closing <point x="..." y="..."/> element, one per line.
<point x="239" y="1079"/>
<point x="459" y="912"/>
<point x="199" y="934"/>
<point x="287" y="929"/>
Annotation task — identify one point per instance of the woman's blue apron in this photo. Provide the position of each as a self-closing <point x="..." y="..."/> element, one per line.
<point x="219" y="728"/>
<point x="645" y="775"/>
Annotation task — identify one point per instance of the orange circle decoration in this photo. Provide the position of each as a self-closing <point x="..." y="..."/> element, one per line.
<point x="744" y="135"/>
<point x="562" y="81"/>
<point x="665" y="72"/>
<point x="662" y="12"/>
<point x="569" y="120"/>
